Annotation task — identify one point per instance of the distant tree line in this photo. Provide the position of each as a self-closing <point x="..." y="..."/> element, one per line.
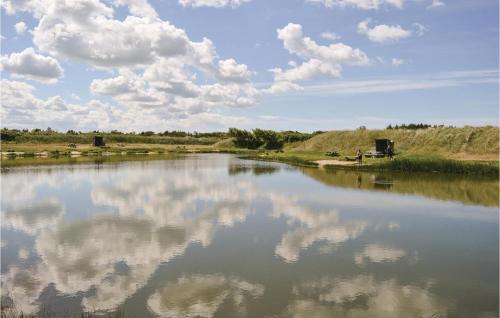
<point x="266" y="139"/>
<point x="257" y="138"/>
<point x="50" y="135"/>
<point x="416" y="126"/>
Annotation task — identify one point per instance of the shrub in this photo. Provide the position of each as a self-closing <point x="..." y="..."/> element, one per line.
<point x="268" y="138"/>
<point x="244" y="138"/>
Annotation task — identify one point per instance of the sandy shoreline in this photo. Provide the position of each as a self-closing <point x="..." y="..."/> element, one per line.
<point x="332" y="162"/>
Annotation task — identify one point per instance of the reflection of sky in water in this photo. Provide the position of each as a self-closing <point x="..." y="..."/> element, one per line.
<point x="213" y="235"/>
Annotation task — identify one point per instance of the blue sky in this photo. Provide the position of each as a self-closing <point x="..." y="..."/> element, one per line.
<point x="207" y="64"/>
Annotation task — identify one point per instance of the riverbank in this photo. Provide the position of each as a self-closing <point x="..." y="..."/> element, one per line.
<point x="403" y="163"/>
<point x="48" y="153"/>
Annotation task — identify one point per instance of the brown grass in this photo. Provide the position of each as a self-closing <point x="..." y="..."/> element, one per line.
<point x="467" y="143"/>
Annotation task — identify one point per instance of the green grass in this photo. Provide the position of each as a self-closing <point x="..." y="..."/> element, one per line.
<point x="87" y="138"/>
<point x="437" y="164"/>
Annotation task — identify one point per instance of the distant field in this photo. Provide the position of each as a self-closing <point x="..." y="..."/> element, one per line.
<point x="45" y="137"/>
<point x="114" y="147"/>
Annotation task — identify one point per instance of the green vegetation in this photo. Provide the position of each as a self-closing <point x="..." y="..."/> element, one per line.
<point x="437" y="164"/>
<point x="258" y="138"/>
<point x="52" y="136"/>
<point x="419" y="147"/>
<point x="415" y="126"/>
<point x="244" y="138"/>
<point x="265" y="139"/>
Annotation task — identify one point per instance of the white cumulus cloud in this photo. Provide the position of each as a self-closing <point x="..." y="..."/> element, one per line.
<point x="159" y="71"/>
<point x="30" y="65"/>
<point x="383" y="33"/>
<point x="20" y="27"/>
<point x="212" y="3"/>
<point x="283" y="87"/>
<point x="231" y="71"/>
<point x="436" y="4"/>
<point x="319" y="60"/>
<point x="332" y="36"/>
<point x="360" y="4"/>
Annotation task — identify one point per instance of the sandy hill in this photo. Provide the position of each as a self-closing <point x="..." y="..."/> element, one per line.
<point x="459" y="143"/>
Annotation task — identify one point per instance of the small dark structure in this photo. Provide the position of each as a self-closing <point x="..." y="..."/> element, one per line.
<point x="381" y="148"/>
<point x="381" y="145"/>
<point x="99" y="141"/>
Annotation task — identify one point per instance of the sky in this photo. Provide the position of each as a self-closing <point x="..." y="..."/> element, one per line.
<point x="206" y="65"/>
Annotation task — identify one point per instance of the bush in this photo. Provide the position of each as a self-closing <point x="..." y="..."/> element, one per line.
<point x="268" y="138"/>
<point x="244" y="138"/>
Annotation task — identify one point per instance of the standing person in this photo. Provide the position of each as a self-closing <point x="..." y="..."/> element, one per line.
<point x="360" y="156"/>
<point x="389" y="151"/>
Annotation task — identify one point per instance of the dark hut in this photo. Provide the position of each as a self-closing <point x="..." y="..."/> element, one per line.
<point x="99" y="141"/>
<point x="382" y="144"/>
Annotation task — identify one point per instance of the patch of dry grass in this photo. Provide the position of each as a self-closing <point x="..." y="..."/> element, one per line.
<point x="467" y="143"/>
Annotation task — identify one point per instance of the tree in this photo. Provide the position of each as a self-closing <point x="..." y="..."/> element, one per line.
<point x="268" y="138"/>
<point x="244" y="138"/>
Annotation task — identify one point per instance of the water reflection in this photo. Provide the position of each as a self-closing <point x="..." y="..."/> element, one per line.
<point x="363" y="296"/>
<point x="215" y="236"/>
<point x="468" y="190"/>
<point x="256" y="169"/>
<point x="202" y="295"/>
<point x="156" y="219"/>
<point x="377" y="253"/>
<point x="313" y="225"/>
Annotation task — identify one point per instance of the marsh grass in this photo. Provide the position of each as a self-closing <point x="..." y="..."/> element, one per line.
<point x="437" y="164"/>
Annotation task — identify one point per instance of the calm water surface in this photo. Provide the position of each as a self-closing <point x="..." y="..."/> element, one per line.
<point x="217" y="236"/>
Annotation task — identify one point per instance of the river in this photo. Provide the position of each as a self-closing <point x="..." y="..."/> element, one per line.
<point x="211" y="235"/>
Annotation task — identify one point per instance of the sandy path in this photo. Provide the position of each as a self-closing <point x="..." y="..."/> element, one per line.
<point x="322" y="163"/>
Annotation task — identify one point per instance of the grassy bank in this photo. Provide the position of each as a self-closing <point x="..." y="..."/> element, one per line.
<point x="408" y="164"/>
<point x="436" y="164"/>
<point x="63" y="149"/>
<point x="464" y="151"/>
<point x="31" y="154"/>
<point x="467" y="143"/>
